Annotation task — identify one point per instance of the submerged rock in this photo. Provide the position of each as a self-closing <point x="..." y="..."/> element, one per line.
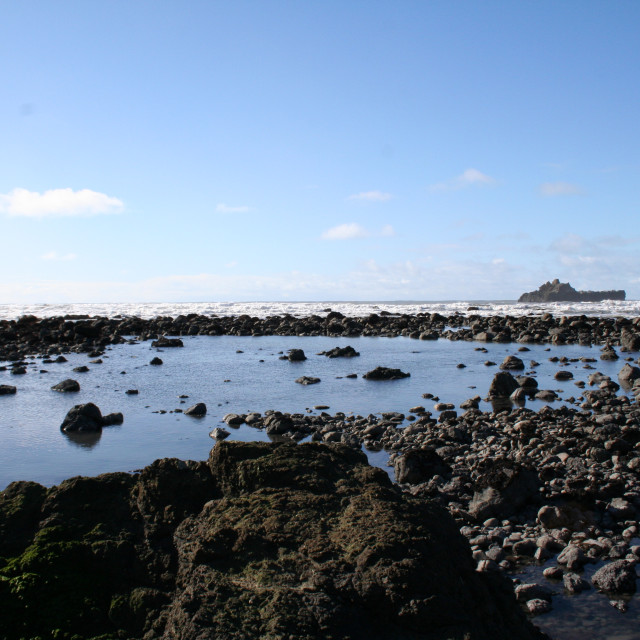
<point x="66" y="386"/>
<point x="262" y="541"/>
<point x="385" y="373"/>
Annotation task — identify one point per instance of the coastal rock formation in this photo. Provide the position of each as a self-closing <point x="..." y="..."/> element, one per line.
<point x="557" y="291"/>
<point x="262" y="541"/>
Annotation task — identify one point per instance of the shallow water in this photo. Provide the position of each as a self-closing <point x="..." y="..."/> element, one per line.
<point x="242" y="374"/>
<point x="235" y="374"/>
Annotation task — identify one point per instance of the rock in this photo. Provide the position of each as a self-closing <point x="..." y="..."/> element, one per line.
<point x="531" y="590"/>
<point x="66" y="386"/>
<point x="573" y="583"/>
<point x="82" y="417"/>
<point x="503" y="489"/>
<point x="81" y="369"/>
<point x="156" y="361"/>
<point x="512" y="363"/>
<point x="630" y="340"/>
<point x="419" y="465"/>
<point x="557" y="291"/>
<point x="502" y="385"/>
<point x="164" y="342"/>
<point x="563" y="375"/>
<point x="573" y="557"/>
<point x="111" y="419"/>
<point x="547" y="395"/>
<point x="233" y="419"/>
<point x="296" y="355"/>
<point x="278" y="423"/>
<point x="385" y="373"/>
<point x="628" y="375"/>
<point x="219" y="433"/>
<point x="340" y="352"/>
<point x="7" y="390"/>
<point x="616" y="577"/>
<point x="307" y="380"/>
<point x="537" y="607"/>
<point x="197" y="410"/>
<point x="132" y="392"/>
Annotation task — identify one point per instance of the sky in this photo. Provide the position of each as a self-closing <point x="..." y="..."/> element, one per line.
<point x="157" y="151"/>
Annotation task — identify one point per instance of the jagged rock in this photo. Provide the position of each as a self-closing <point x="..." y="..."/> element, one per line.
<point x="340" y="352"/>
<point x="296" y="355"/>
<point x="262" y="541"/>
<point x="557" y="291"/>
<point x="385" y="373"/>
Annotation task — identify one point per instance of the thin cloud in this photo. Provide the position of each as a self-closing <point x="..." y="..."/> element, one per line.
<point x="468" y="178"/>
<point x="56" y="257"/>
<point x="371" y="196"/>
<point x="551" y="189"/>
<point x="58" y="203"/>
<point x="345" y="232"/>
<point x="225" y="208"/>
<point x="351" y="230"/>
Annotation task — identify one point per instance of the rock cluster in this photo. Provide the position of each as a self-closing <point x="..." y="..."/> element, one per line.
<point x="29" y="335"/>
<point x="262" y="541"/>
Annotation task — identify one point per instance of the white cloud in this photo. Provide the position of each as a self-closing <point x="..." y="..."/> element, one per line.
<point x="468" y="178"/>
<point x="345" y="232"/>
<point x="225" y="208"/>
<point x="55" y="256"/>
<point x="371" y="196"/>
<point x="58" y="202"/>
<point x="352" y="230"/>
<point x="550" y="189"/>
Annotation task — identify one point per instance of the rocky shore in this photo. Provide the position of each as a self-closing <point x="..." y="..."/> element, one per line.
<point x="29" y="335"/>
<point x="559" y="486"/>
<point x="261" y="541"/>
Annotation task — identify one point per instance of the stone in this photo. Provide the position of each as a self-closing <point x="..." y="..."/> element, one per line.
<point x="296" y="355"/>
<point x="305" y="380"/>
<point x="197" y="410"/>
<point x="419" y="465"/>
<point x="66" y="386"/>
<point x="502" y="385"/>
<point x="164" y="342"/>
<point x="340" y="352"/>
<point x="572" y="556"/>
<point x="573" y="583"/>
<point x="618" y="576"/>
<point x="233" y="419"/>
<point x="156" y="361"/>
<point x="385" y="373"/>
<point x="512" y="363"/>
<point x="219" y="433"/>
<point x="82" y="417"/>
<point x="7" y="390"/>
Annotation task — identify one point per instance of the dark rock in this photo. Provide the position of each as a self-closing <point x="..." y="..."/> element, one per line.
<point x="66" y="386"/>
<point x="83" y="417"/>
<point x="307" y="380"/>
<point x="502" y="385"/>
<point x="296" y="355"/>
<point x="219" y="433"/>
<point x="628" y="375"/>
<point x="7" y="390"/>
<point x="340" y="352"/>
<point x="164" y="342"/>
<point x="112" y="418"/>
<point x="197" y="410"/>
<point x="132" y="392"/>
<point x="385" y="373"/>
<point x="419" y="465"/>
<point x="156" y="361"/>
<point x="557" y="291"/>
<point x="81" y="369"/>
<point x="512" y="363"/>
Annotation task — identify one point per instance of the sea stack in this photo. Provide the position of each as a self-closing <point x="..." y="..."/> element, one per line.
<point x="557" y="291"/>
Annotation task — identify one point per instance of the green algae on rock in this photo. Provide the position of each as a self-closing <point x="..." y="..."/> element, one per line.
<point x="262" y="541"/>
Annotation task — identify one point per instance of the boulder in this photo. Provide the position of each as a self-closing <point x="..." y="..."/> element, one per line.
<point x="7" y="389"/>
<point x="628" y="375"/>
<point x="512" y="363"/>
<point x="419" y="465"/>
<point x="340" y="352"/>
<point x="502" y="385"/>
<point x="296" y="355"/>
<point x="156" y="361"/>
<point x="618" y="576"/>
<point x="83" y="417"/>
<point x="307" y="380"/>
<point x="66" y="386"/>
<point x="197" y="410"/>
<point x="385" y="373"/>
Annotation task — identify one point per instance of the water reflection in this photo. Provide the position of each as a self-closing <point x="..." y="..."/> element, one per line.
<point x="83" y="439"/>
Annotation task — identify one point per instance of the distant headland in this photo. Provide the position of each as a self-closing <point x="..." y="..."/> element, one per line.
<point x="557" y="291"/>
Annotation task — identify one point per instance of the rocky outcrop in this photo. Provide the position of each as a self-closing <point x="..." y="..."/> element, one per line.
<point x="262" y="541"/>
<point x="557" y="291"/>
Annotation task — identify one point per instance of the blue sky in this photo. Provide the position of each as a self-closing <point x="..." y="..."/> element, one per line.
<point x="278" y="150"/>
